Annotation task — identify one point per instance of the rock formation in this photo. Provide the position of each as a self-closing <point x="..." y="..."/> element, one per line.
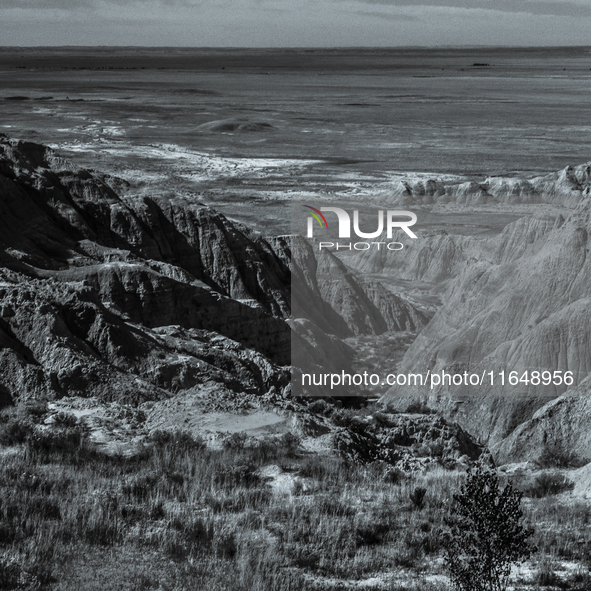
<point x="565" y="188"/>
<point x="524" y="307"/>
<point x="91" y="280"/>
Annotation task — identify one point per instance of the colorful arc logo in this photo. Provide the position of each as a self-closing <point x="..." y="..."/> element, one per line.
<point x="317" y="214"/>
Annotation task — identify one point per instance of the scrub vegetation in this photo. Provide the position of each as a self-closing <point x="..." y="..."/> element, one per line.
<point x="183" y="516"/>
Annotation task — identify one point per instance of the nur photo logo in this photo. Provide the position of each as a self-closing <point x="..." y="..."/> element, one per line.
<point x="385" y="224"/>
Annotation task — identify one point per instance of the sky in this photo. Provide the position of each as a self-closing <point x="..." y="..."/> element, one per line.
<point x="295" y="23"/>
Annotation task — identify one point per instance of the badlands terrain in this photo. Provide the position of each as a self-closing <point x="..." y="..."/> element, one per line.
<point x="149" y="323"/>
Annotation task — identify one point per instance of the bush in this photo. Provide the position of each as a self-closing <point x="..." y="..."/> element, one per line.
<point x="549" y="483"/>
<point x="63" y="419"/>
<point x="290" y="442"/>
<point x="274" y="448"/>
<point x="393" y="475"/>
<point x="556" y="455"/>
<point x="417" y="496"/>
<point x="419" y="408"/>
<point x="241" y="475"/>
<point x="34" y="410"/>
<point x="64" y="440"/>
<point x="349" y="419"/>
<point x="180" y="441"/>
<point x="581" y="578"/>
<point x="486" y="535"/>
<point x="372" y="534"/>
<point x="236" y="441"/>
<point x="321" y="407"/>
<point x="14" y="431"/>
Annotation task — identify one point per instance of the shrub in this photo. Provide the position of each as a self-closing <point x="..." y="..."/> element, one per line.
<point x="14" y="431"/>
<point x="34" y="410"/>
<point x="372" y="533"/>
<point x="180" y="441"/>
<point x="382" y="419"/>
<point x="419" y="408"/>
<point x="231" y="476"/>
<point x="320" y="407"/>
<point x="63" y="419"/>
<point x="63" y="440"/>
<point x="486" y="535"/>
<point x="556" y="455"/>
<point x="417" y="496"/>
<point x="393" y="475"/>
<point x="549" y="483"/>
<point x="343" y="417"/>
<point x="236" y="441"/>
<point x="23" y="575"/>
<point x="290" y="442"/>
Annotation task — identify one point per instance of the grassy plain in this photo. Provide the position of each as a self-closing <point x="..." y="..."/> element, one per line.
<point x="253" y="515"/>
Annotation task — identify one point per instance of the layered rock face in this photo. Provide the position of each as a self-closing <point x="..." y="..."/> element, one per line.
<point x="566" y="187"/>
<point x="336" y="299"/>
<point x="563" y="424"/>
<point x="90" y="280"/>
<point x="57" y="338"/>
<point x="525" y="308"/>
<point x="438" y="257"/>
<point x="330" y="302"/>
<point x="160" y="261"/>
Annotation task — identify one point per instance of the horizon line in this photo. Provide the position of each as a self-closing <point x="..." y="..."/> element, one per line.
<point x="296" y="47"/>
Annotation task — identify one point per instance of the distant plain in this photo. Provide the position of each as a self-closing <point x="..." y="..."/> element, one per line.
<point x="247" y="130"/>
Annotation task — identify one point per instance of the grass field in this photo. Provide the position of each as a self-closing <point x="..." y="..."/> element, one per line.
<point x="183" y="516"/>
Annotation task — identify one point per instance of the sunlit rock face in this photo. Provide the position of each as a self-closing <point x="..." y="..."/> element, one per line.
<point x="87" y="278"/>
<point x="524" y="306"/>
<point x="103" y="272"/>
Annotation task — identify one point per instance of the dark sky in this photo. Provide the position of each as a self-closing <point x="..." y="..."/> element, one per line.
<point x="308" y="23"/>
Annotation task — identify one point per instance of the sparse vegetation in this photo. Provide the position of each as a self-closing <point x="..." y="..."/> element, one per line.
<point x="179" y="515"/>
<point x="549" y="483"/>
<point x="556" y="455"/>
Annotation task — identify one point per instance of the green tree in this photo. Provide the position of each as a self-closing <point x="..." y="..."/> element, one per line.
<point x="486" y="535"/>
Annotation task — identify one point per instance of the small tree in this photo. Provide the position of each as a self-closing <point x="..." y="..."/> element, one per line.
<point x="486" y="535"/>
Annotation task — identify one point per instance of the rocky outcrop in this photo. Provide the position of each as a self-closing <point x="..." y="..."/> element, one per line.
<point x="526" y="309"/>
<point x="342" y="303"/>
<point x="408" y="441"/>
<point x="438" y="257"/>
<point x="566" y="188"/>
<point x="87" y="277"/>
<point x="222" y="254"/>
<point x="434" y="258"/>
<point x="159" y="261"/>
<point x="365" y="306"/>
<point x="563" y="424"/>
<point x="57" y="338"/>
<point x="59" y="218"/>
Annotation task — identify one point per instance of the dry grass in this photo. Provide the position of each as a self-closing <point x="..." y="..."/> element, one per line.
<point x="182" y="516"/>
